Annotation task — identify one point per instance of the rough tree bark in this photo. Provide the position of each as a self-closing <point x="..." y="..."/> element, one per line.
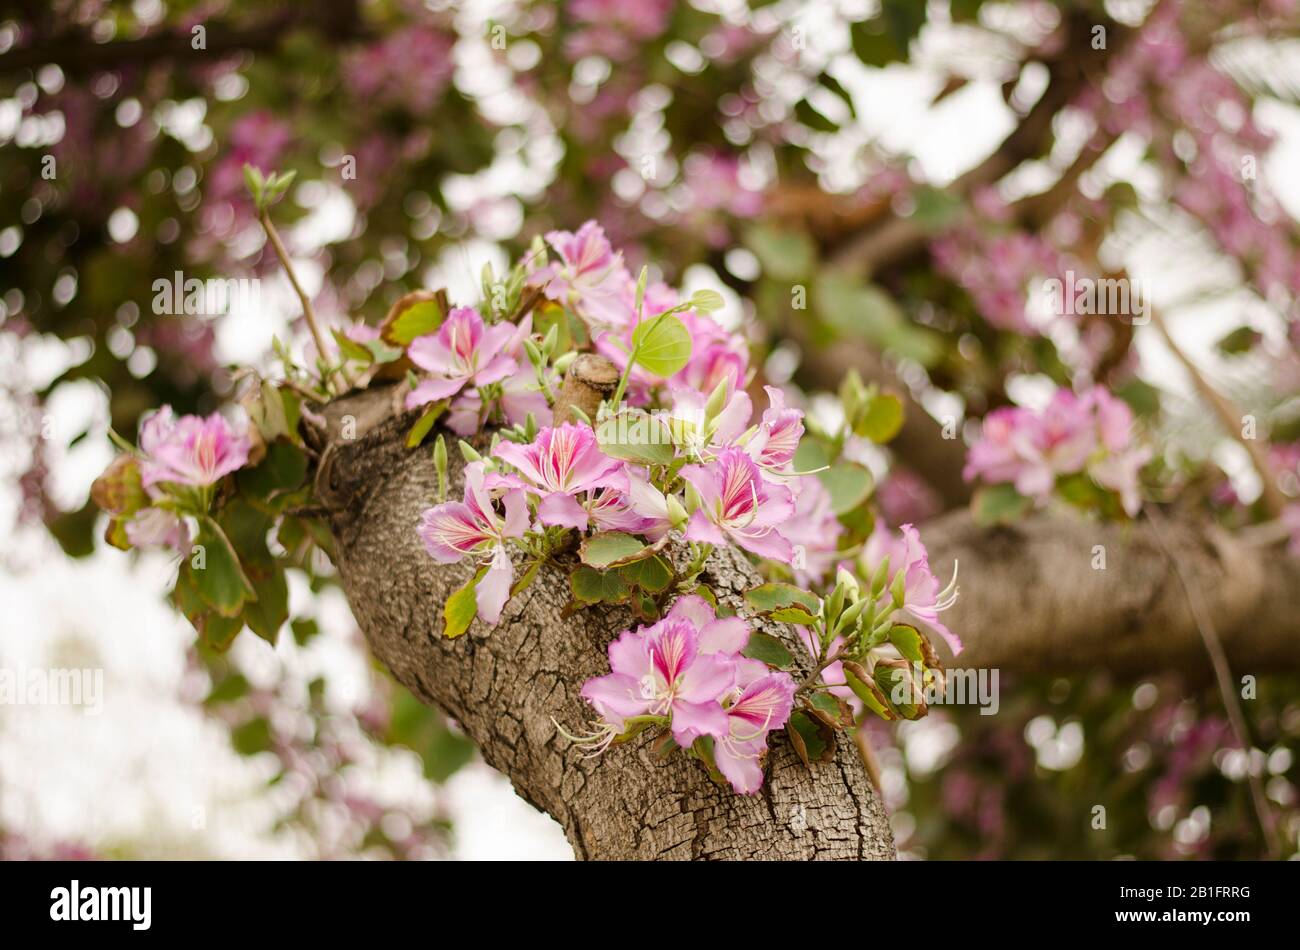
<point x="504" y="684"/>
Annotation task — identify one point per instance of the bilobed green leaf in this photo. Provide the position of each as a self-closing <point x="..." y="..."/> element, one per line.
<point x="461" y="607"/>
<point x="591" y="586"/>
<point x="865" y="688"/>
<point x="882" y="418"/>
<point x="830" y="709"/>
<point x="765" y="647"/>
<point x="609" y="548"/>
<point x="283" y="469"/>
<point x="769" y="597"/>
<point x="849" y="485"/>
<point x="651" y="574"/>
<point x="796" y="615"/>
<point x="812" y="740"/>
<point x="636" y="436"/>
<point x="662" y="344"/>
<point x="997" y="504"/>
<point x="414" y="315"/>
<point x="216" y="573"/>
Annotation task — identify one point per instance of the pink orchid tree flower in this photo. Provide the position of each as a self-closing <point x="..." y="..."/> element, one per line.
<point x="517" y="395"/>
<point x="463" y="351"/>
<point x="777" y="439"/>
<point x="700" y="436"/>
<point x="661" y="671"/>
<point x="559" y="464"/>
<point x="738" y="504"/>
<point x="192" y="450"/>
<point x="590" y="277"/>
<point x="762" y="702"/>
<point x="472" y="528"/>
<point x="716" y="355"/>
<point x="923" y="596"/>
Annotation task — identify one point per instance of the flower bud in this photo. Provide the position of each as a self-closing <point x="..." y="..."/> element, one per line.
<point x="676" y="513"/>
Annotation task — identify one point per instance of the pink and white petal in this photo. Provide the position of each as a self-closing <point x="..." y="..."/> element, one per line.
<point x="521" y="458"/>
<point x="695" y="610"/>
<point x="692" y="720"/>
<point x="616" y="697"/>
<point x="563" y="511"/>
<point x="733" y="420"/>
<point x="700" y="528"/>
<point x="493" y="589"/>
<point x="706" y="678"/>
<point x="725" y="635"/>
<point x="704" y="481"/>
<point x="431" y="390"/>
<point x="630" y="656"/>
<point x="741" y="764"/>
<point x="517" y="521"/>
<point x="429" y="353"/>
<point x="765" y="543"/>
<point x="498" y="369"/>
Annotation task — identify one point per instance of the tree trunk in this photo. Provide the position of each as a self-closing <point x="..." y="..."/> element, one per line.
<point x="503" y="684"/>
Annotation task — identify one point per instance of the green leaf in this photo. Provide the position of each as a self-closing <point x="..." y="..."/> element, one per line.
<point x="216" y="573"/>
<point x="425" y="423"/>
<point x="120" y="490"/>
<point x="662" y="345"/>
<point x="881" y="419"/>
<point x="998" y="504"/>
<point x="460" y="609"/>
<point x="352" y="349"/>
<point x="591" y="586"/>
<point x="611" y="549"/>
<point x="765" y="647"/>
<point x="283" y="469"/>
<point x="247" y="528"/>
<point x="908" y="641"/>
<point x="812" y="741"/>
<point x="827" y="707"/>
<point x="849" y="485"/>
<point x="785" y="255"/>
<point x="651" y="574"/>
<point x="706" y="300"/>
<point x="857" y="679"/>
<point x="794" y="615"/>
<point x="415" y="315"/>
<point x="636" y="436"/>
<point x="769" y="597"/>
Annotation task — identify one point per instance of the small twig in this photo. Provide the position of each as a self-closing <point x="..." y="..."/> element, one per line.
<point x="1223" y="675"/>
<point x="308" y="311"/>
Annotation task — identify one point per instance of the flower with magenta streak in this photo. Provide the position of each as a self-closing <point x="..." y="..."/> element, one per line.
<point x="191" y="450"/>
<point x="591" y="277"/>
<point x="777" y="439"/>
<point x="737" y="503"/>
<point x="458" y="529"/>
<point x="462" y="351"/>
<point x="665" y="670"/>
<point x="763" y="702"/>
<point x="923" y="598"/>
<point x="560" y="463"/>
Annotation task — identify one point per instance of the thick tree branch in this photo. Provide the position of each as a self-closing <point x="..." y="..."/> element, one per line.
<point x="504" y="684"/>
<point x="1032" y="600"/>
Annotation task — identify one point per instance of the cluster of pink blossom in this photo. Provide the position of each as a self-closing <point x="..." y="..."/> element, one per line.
<point x="997" y="270"/>
<point x="1092" y="432"/>
<point x="615" y="29"/>
<point x="464" y="356"/>
<point x="410" y="68"/>
<point x="179" y="460"/>
<point x="688" y="671"/>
